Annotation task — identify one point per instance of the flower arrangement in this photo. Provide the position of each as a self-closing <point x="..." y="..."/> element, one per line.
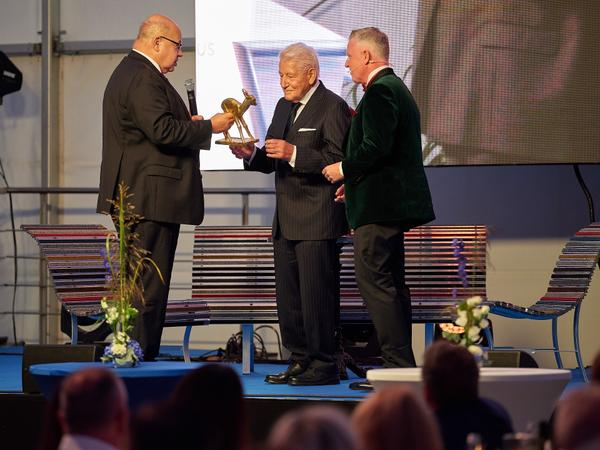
<point x="126" y="261"/>
<point x="471" y="319"/>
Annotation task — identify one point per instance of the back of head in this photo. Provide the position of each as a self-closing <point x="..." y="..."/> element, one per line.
<point x="375" y="39"/>
<point x="577" y="420"/>
<point x="313" y="428"/>
<point x="450" y="375"/>
<point x="209" y="403"/>
<point x="90" y="400"/>
<point x="395" y="418"/>
<point x="304" y="56"/>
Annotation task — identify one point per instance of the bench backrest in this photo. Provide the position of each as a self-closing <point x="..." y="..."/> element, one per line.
<point x="233" y="279"/>
<point x="76" y="262"/>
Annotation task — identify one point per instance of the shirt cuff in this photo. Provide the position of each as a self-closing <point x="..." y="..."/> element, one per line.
<point x="249" y="160"/>
<point x="292" y="161"/>
<point x="341" y="170"/>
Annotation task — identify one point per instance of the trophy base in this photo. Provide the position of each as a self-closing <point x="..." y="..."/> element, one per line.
<point x="236" y="141"/>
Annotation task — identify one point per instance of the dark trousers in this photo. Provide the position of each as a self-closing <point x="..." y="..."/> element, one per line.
<point x="160" y="239"/>
<point x="307" y="287"/>
<point x="379" y="267"/>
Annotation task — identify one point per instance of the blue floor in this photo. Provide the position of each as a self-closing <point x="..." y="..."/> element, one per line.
<point x="254" y="385"/>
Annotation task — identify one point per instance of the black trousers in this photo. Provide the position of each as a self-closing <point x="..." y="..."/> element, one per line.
<point x="379" y="268"/>
<point x="307" y="288"/>
<point x="160" y="239"/>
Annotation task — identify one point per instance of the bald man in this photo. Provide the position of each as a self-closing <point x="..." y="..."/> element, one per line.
<point x="151" y="143"/>
<point x="93" y="411"/>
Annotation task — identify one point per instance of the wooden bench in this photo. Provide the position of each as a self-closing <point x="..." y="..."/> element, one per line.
<point x="233" y="279"/>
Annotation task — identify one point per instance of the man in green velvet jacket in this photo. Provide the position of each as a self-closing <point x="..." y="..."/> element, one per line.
<point x="385" y="190"/>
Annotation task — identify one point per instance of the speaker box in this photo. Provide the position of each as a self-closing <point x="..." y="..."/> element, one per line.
<point x="510" y="358"/>
<point x="42" y="354"/>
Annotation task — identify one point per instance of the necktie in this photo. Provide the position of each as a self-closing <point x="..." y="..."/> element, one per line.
<point x="291" y="118"/>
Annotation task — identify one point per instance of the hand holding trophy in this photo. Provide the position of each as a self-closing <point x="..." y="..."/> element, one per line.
<point x="237" y="109"/>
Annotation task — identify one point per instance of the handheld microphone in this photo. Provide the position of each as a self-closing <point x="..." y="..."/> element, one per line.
<point x="189" y="87"/>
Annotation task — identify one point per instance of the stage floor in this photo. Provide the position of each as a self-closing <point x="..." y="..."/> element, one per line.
<point x="254" y="384"/>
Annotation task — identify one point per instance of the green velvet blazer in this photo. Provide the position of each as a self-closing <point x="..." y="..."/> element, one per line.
<point x="384" y="177"/>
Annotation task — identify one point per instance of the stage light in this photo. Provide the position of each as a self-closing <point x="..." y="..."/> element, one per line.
<point x="11" y="78"/>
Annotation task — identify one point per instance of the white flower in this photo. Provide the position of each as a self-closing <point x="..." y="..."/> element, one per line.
<point x="484" y="323"/>
<point x="474" y="301"/>
<point x="474" y="333"/>
<point x="485" y="309"/>
<point x="475" y="350"/>
<point x="122" y="337"/>
<point x="118" y="350"/>
<point x="461" y="320"/>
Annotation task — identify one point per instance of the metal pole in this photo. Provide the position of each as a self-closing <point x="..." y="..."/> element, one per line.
<point x="245" y="207"/>
<point x="50" y="153"/>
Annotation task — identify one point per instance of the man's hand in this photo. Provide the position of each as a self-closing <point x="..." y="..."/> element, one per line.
<point x="242" y="151"/>
<point x="221" y="122"/>
<point x="279" y="149"/>
<point x="194" y="118"/>
<point x="332" y="172"/>
<point x="340" y="194"/>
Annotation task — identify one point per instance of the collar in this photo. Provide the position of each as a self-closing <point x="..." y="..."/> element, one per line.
<point x="373" y="73"/>
<point x="304" y="100"/>
<point x="154" y="63"/>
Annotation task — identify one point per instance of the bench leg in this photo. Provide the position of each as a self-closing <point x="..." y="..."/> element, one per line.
<point x="247" y="348"/>
<point x="185" y="344"/>
<point x="580" y="364"/>
<point x="74" y="330"/>
<point x="555" y="344"/>
<point x="429" y="330"/>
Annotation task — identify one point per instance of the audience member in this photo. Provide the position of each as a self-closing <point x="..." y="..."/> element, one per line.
<point x="395" y="418"/>
<point x="577" y="420"/>
<point x="205" y="411"/>
<point x="93" y="411"/>
<point x="313" y="428"/>
<point x="451" y="382"/>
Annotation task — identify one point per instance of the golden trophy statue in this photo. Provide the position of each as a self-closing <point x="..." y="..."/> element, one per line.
<point x="231" y="105"/>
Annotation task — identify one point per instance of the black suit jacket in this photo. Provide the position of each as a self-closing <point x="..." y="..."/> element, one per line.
<point x="305" y="209"/>
<point x="150" y="143"/>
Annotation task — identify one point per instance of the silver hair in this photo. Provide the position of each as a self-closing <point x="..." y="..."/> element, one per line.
<point x="377" y="39"/>
<point x="303" y="55"/>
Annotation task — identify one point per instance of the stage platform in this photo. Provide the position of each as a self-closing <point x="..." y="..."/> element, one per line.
<point x="21" y="414"/>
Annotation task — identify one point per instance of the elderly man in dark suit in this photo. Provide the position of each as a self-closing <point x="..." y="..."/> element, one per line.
<point x="386" y="191"/>
<point x="151" y="143"/>
<point x="305" y="135"/>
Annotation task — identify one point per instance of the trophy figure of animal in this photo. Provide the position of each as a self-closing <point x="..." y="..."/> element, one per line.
<point x="231" y="105"/>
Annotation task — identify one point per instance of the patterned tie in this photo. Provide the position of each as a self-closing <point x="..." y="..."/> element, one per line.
<point x="291" y="118"/>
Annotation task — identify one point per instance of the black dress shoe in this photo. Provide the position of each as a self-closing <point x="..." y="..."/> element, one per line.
<point x="361" y="386"/>
<point x="316" y="376"/>
<point x="295" y="368"/>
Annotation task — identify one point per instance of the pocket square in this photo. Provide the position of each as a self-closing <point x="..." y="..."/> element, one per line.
<point x="301" y="130"/>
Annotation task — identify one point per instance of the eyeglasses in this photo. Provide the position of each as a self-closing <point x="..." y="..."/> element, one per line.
<point x="177" y="44"/>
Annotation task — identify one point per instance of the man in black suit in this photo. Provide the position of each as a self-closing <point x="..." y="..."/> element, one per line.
<point x="151" y="143"/>
<point x="305" y="135"/>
